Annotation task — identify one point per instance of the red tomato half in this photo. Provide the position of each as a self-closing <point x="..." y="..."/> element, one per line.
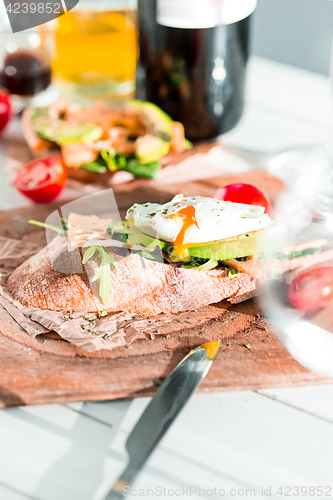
<point x="42" y="180"/>
<point x="311" y="289"/>
<point x="4" y="109"/>
<point x="244" y="193"/>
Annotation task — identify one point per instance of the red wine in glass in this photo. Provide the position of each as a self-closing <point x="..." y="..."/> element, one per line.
<point x="25" y="73"/>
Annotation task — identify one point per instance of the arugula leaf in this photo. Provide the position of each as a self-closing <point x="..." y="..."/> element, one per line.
<point x="108" y="159"/>
<point x="113" y="160"/>
<point x="108" y="155"/>
<point x="89" y="253"/>
<point x="232" y="273"/>
<point x="98" y="166"/>
<point x="104" y="271"/>
<point x="60" y="230"/>
<point x="146" y="170"/>
<point x="116" y="225"/>
<point x="210" y="264"/>
<point x="121" y="162"/>
<point x="146" y="255"/>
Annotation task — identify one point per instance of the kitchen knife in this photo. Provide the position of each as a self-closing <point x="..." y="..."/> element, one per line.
<point x="162" y="410"/>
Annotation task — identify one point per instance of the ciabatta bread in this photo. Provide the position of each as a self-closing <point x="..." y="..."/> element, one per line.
<point x="55" y="279"/>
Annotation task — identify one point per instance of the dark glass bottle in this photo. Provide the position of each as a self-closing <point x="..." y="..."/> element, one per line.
<point x="195" y="75"/>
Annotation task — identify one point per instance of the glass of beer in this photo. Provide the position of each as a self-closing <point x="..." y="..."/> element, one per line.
<point x="95" y="50"/>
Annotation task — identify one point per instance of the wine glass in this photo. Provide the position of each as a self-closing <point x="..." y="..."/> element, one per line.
<point x="25" y="69"/>
<point x="298" y="270"/>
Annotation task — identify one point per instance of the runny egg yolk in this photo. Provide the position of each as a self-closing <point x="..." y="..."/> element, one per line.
<point x="189" y="219"/>
<point x="212" y="348"/>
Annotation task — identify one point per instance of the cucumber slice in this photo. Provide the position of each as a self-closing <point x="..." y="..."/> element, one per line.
<point x="130" y="234"/>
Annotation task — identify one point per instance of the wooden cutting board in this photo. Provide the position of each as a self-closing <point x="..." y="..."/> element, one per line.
<point x="251" y="359"/>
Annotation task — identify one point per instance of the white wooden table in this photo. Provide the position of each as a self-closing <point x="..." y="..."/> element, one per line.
<point x="231" y="445"/>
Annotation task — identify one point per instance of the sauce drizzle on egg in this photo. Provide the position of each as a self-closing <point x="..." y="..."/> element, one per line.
<point x="189" y="219"/>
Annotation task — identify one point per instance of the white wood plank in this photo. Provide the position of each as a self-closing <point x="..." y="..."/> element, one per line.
<point x="109" y="412"/>
<point x="316" y="400"/>
<point x="293" y="91"/>
<point x="52" y="459"/>
<point x="72" y="460"/>
<point x="167" y="472"/>
<point x="241" y="439"/>
<point x="133" y="413"/>
<point x="49" y="414"/>
<point x="180" y="478"/>
<point x="244" y="435"/>
<point x="264" y="130"/>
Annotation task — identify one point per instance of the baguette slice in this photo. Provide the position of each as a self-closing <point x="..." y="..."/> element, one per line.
<point x="47" y="281"/>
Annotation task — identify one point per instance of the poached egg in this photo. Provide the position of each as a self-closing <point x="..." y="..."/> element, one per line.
<point x="187" y="220"/>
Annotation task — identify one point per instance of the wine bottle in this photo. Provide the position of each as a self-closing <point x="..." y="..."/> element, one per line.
<point x="192" y="63"/>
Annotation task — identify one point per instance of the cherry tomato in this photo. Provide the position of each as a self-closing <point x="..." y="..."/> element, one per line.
<point x="42" y="180"/>
<point x="5" y="109"/>
<point x="311" y="289"/>
<point x="248" y="194"/>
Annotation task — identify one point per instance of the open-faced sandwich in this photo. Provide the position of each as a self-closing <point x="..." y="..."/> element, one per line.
<point x="188" y="253"/>
<point x="99" y="139"/>
<point x="154" y="282"/>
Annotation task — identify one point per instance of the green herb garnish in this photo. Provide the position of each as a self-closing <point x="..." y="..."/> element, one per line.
<point x="97" y="166"/>
<point x="232" y="273"/>
<point x="104" y="271"/>
<point x="210" y="264"/>
<point x="102" y="314"/>
<point x="112" y="160"/>
<point x="146" y="255"/>
<point x="60" y="230"/>
<point x="108" y="155"/>
<point x="145" y="170"/>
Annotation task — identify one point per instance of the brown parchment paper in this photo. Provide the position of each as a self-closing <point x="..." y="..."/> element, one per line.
<point x="90" y="332"/>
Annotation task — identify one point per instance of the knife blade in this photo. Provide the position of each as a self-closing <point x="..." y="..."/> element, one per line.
<point x="162" y="410"/>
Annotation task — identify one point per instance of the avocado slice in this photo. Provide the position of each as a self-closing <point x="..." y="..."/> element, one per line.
<point x="159" y="121"/>
<point x="65" y="133"/>
<point x="154" y="145"/>
<point x="62" y="132"/>
<point x="150" y="148"/>
<point x="231" y="248"/>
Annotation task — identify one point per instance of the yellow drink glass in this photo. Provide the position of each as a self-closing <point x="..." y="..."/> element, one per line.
<point x="95" y="50"/>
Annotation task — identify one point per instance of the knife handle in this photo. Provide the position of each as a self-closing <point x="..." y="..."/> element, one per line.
<point x="125" y="480"/>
